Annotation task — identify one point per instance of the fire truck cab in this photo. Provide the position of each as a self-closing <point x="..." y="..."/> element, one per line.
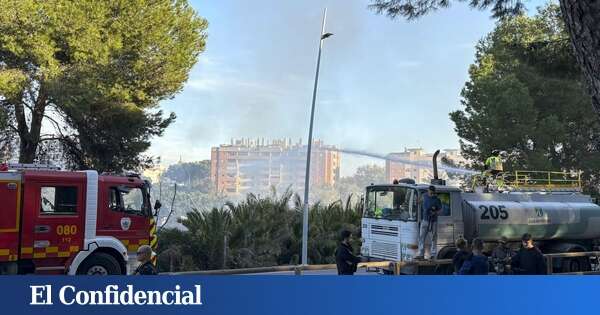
<point x="63" y="222"/>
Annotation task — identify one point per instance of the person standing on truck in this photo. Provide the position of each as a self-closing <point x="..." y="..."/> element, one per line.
<point x="345" y="259"/>
<point x="430" y="210"/>
<point x="529" y="260"/>
<point x="501" y="256"/>
<point x="461" y="255"/>
<point x="494" y="163"/>
<point x="144" y="256"/>
<point x="493" y="167"/>
<point x="477" y="263"/>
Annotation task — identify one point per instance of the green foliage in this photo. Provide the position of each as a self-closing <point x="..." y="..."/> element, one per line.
<point x="412" y="9"/>
<point x="101" y="68"/>
<point x="258" y="231"/>
<point x="526" y="96"/>
<point x="192" y="174"/>
<point x="350" y="186"/>
<point x="366" y="175"/>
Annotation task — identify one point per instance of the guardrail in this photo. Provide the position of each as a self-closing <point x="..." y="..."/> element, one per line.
<point x="297" y="269"/>
<point x="390" y="265"/>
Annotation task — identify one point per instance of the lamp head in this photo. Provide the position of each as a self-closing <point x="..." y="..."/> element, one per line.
<point x="326" y="35"/>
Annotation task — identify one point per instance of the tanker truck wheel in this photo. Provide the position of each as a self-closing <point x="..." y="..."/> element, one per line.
<point x="99" y="264"/>
<point x="576" y="264"/>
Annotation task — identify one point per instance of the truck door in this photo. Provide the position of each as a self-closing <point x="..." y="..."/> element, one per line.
<point x="409" y="228"/>
<point x="125" y="214"/>
<point x="52" y="222"/>
<point x="446" y="224"/>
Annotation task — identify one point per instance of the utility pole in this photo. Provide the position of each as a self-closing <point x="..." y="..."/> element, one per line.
<point x="309" y="148"/>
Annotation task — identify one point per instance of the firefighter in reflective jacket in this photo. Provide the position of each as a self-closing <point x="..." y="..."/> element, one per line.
<point x="493" y="164"/>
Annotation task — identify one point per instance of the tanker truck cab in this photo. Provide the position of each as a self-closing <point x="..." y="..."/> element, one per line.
<point x="63" y="222"/>
<point x="392" y="216"/>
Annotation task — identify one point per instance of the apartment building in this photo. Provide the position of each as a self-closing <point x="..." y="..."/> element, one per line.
<point x="256" y="165"/>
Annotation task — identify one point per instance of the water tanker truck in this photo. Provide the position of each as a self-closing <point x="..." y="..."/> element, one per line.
<point x="559" y="217"/>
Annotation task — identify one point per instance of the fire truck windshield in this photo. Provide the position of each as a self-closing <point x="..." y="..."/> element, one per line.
<point x="391" y="203"/>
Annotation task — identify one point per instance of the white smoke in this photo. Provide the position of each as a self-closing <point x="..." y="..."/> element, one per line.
<point x="422" y="164"/>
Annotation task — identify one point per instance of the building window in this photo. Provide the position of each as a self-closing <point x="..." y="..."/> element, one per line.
<point x="58" y="200"/>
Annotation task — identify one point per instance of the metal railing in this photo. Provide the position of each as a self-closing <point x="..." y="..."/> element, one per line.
<point x="527" y="181"/>
<point x="396" y="267"/>
<point x="543" y="180"/>
<point x="297" y="269"/>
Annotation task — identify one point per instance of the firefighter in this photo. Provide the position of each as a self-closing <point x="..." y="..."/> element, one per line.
<point x="345" y="260"/>
<point x="529" y="260"/>
<point x="378" y="213"/>
<point x="144" y="256"/>
<point x="431" y="209"/>
<point x="494" y="167"/>
<point x="493" y="164"/>
<point x="501" y="256"/>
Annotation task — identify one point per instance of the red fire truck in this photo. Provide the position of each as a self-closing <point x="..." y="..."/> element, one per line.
<point x="63" y="222"/>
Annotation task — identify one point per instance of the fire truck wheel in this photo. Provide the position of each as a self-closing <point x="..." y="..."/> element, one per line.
<point x="99" y="264"/>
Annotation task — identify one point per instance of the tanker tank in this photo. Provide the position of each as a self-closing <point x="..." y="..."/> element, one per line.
<point x="570" y="216"/>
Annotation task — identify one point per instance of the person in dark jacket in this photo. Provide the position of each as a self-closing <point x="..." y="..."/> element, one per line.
<point x="432" y="206"/>
<point x="529" y="260"/>
<point x="346" y="261"/>
<point x="477" y="263"/>
<point x="461" y="255"/>
<point x="144" y="256"/>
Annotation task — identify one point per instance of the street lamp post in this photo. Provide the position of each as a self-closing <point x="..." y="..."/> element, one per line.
<point x="309" y="149"/>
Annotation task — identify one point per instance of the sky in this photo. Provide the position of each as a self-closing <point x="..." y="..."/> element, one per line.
<point x="384" y="85"/>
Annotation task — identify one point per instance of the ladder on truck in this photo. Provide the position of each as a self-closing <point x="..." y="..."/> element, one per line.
<point x="28" y="166"/>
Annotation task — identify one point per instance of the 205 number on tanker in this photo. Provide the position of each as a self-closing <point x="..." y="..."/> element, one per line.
<point x="493" y="212"/>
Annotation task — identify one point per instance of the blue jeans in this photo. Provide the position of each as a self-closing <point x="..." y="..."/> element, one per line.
<point x="425" y="230"/>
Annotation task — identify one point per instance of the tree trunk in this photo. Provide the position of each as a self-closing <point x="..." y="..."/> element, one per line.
<point x="582" y="18"/>
<point x="29" y="138"/>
